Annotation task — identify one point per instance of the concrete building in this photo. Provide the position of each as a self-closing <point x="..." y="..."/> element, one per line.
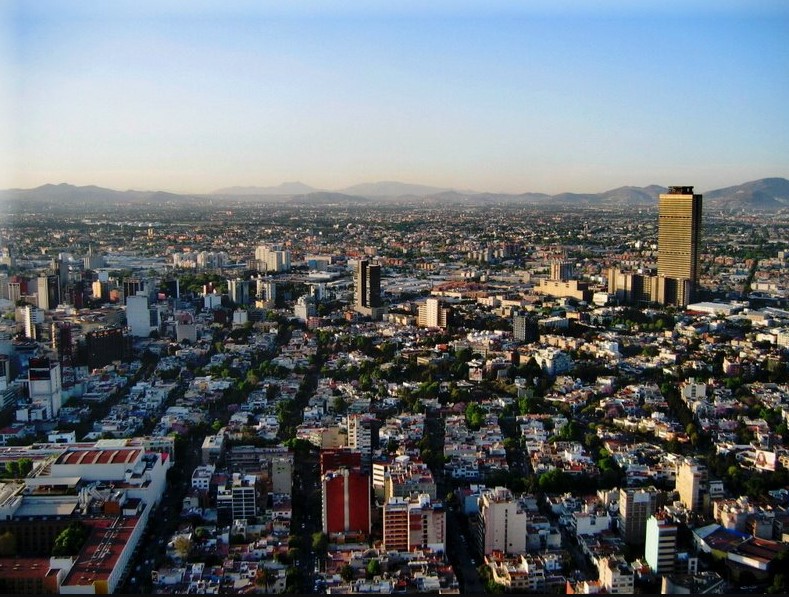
<point x="265" y="291"/>
<point x="44" y="386"/>
<point x="432" y="314"/>
<point x="562" y="270"/>
<point x="140" y="318"/>
<point x="346" y="502"/>
<point x="525" y="328"/>
<point x="402" y="477"/>
<point x="692" y="485"/>
<point x="48" y="291"/>
<point x="661" y="544"/>
<point x="238" y="291"/>
<point x="282" y="474"/>
<point x="93" y="260"/>
<point x="213" y="449"/>
<point x="361" y="437"/>
<point x="616" y="575"/>
<point x="32" y="320"/>
<point x="272" y="258"/>
<point x="635" y="508"/>
<point x="413" y="523"/>
<point x="501" y="522"/>
<point x="304" y="308"/>
<point x="238" y="499"/>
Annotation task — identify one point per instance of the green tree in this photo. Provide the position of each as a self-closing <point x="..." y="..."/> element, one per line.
<point x="373" y="568"/>
<point x="346" y="573"/>
<point x="12" y="469"/>
<point x="70" y="540"/>
<point x="475" y="416"/>
<point x="320" y="543"/>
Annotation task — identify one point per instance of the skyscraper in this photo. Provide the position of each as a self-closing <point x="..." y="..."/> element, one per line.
<point x="368" y="289"/>
<point x="679" y="239"/>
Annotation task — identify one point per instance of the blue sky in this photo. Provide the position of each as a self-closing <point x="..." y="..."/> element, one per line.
<point x="492" y="96"/>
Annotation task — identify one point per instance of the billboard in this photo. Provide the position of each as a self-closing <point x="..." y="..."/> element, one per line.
<point x="764" y="460"/>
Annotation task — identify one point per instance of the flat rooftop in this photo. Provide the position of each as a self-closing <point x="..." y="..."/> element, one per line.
<point x="102" y="551"/>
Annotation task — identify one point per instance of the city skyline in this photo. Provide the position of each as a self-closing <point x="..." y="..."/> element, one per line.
<point x="544" y="98"/>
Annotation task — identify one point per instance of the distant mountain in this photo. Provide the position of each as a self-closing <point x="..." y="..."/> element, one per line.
<point x="632" y="195"/>
<point x="765" y="194"/>
<point x="286" y="188"/>
<point x="66" y="196"/>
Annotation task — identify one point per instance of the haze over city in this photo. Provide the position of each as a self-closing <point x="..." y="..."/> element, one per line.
<point x="493" y="96"/>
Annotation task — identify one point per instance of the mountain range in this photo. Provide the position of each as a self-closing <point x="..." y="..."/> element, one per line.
<point x="766" y="194"/>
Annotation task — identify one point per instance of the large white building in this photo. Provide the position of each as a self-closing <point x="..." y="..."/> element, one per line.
<point x="502" y="522"/>
<point x="44" y="385"/>
<point x="553" y="361"/>
<point x="140" y="319"/>
<point x="32" y="318"/>
<point x="432" y="314"/>
<point x="272" y="258"/>
<point x="661" y="545"/>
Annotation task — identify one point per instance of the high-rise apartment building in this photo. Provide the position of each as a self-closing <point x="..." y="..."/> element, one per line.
<point x="413" y="522"/>
<point x="44" y="385"/>
<point x="501" y="523"/>
<point x="432" y="314"/>
<point x="692" y="484"/>
<point x="140" y="318"/>
<point x="346" y="502"/>
<point x="679" y="240"/>
<point x="562" y="270"/>
<point x="265" y="291"/>
<point x="363" y="436"/>
<point x="635" y="508"/>
<point x="661" y="544"/>
<point x="238" y="291"/>
<point x="272" y="258"/>
<point x="32" y="320"/>
<point x="368" y="289"/>
<point x="48" y="291"/>
<point x="525" y="328"/>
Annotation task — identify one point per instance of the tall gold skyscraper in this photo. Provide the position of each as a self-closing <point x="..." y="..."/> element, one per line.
<point x="679" y="239"/>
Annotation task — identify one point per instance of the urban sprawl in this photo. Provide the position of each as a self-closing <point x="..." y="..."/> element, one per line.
<point x="240" y="397"/>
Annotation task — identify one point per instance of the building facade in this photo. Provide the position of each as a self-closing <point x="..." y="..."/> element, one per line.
<point x="661" y="544"/>
<point x="368" y="289"/>
<point x="679" y="240"/>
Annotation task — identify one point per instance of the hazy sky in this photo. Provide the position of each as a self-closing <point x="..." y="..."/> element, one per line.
<point x="507" y="96"/>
